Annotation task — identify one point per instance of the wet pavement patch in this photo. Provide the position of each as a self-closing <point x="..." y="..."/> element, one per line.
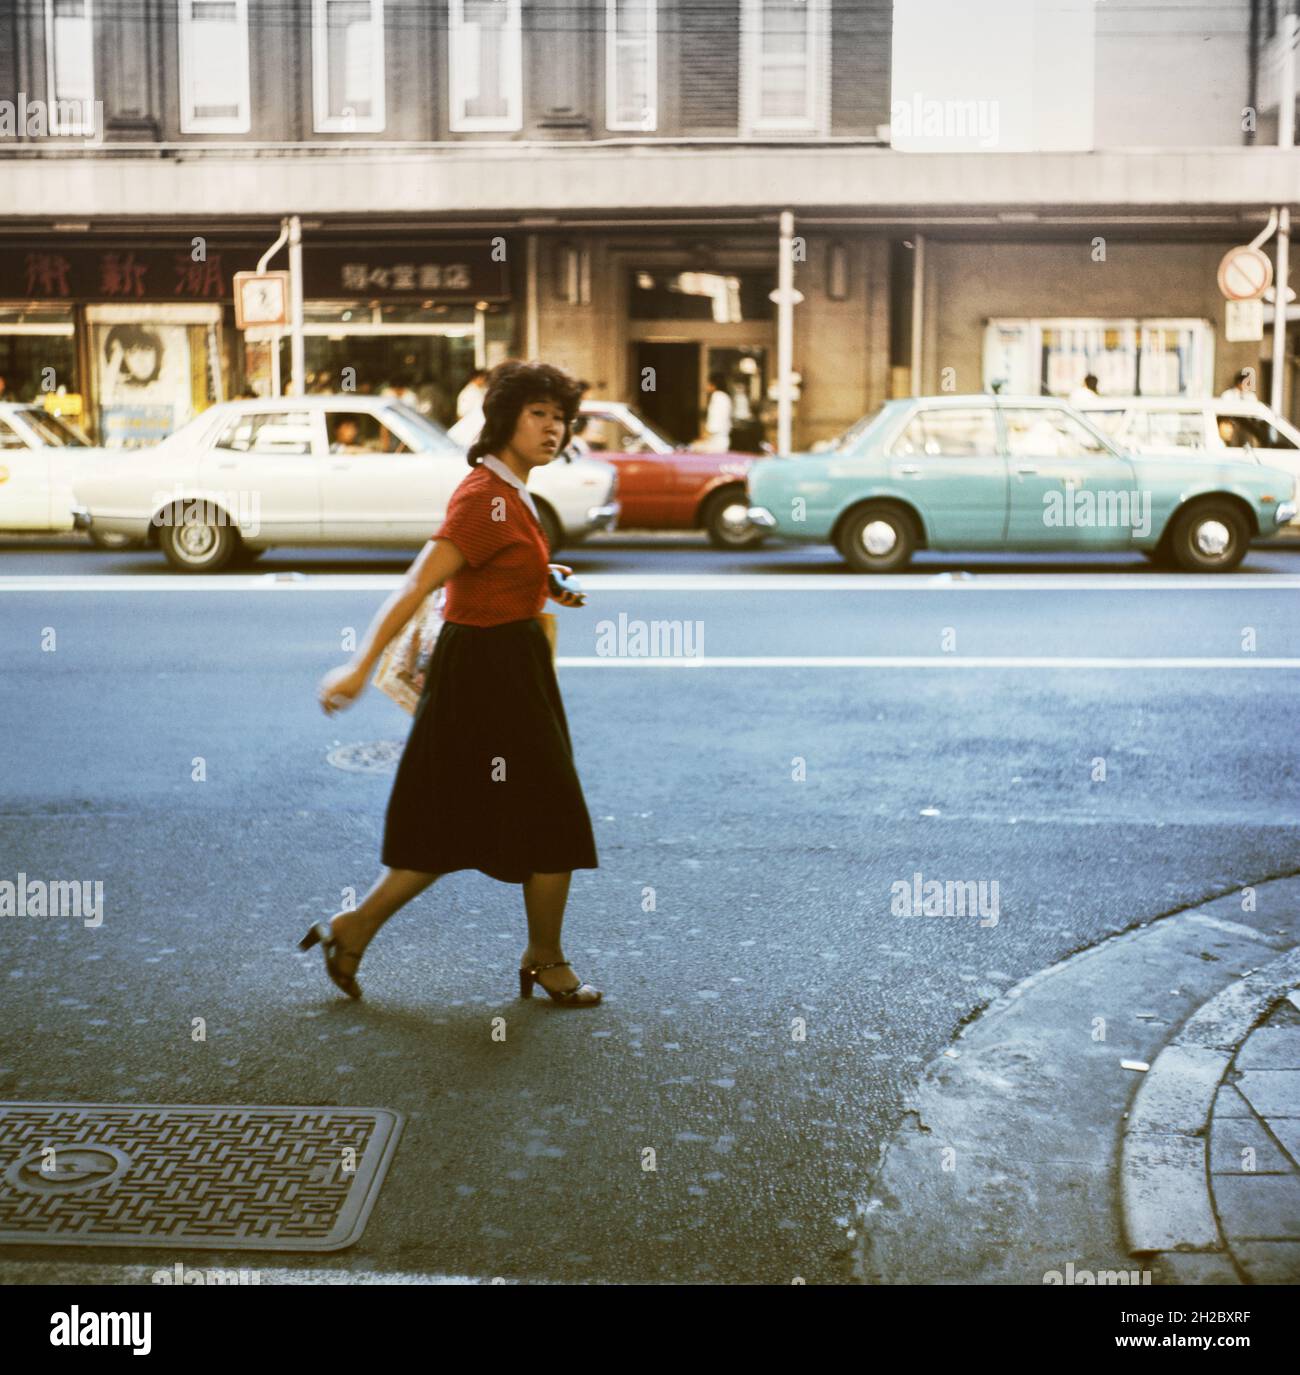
<point x="368" y="756"/>
<point x="187" y="1176"/>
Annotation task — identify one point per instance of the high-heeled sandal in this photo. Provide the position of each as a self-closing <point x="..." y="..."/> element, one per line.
<point x="323" y="933"/>
<point x="567" y="997"/>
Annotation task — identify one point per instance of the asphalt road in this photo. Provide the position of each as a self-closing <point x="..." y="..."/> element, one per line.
<point x="524" y="1158"/>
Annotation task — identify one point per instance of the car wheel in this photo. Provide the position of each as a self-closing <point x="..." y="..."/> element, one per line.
<point x="193" y="547"/>
<point x="1210" y="537"/>
<point x="878" y="539"/>
<point x="551" y="528"/>
<point x="727" y="522"/>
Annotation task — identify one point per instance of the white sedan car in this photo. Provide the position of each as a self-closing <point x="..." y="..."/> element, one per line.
<point x="40" y="458"/>
<point x="245" y="476"/>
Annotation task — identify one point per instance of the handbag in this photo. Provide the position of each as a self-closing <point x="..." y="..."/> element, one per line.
<point x="402" y="667"/>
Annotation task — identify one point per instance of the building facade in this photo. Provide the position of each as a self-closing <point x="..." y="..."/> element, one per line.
<point x="599" y="183"/>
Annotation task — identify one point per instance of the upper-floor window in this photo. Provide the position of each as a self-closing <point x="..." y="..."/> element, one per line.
<point x="70" y="66"/>
<point x="214" y="66"/>
<point x="631" y="34"/>
<point x="486" y="68"/>
<point x="348" y="65"/>
<point x="785" y="66"/>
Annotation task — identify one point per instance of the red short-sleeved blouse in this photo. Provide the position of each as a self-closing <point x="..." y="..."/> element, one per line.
<point x="506" y="554"/>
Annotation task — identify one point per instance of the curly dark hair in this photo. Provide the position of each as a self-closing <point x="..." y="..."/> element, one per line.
<point x="511" y="386"/>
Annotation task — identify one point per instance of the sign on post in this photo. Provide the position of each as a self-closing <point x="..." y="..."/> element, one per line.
<point x="261" y="299"/>
<point x="1245" y="273"/>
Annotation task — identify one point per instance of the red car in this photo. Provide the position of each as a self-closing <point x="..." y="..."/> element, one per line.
<point x="664" y="487"/>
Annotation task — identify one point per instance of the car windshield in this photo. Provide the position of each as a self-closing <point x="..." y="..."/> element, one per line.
<point x="855" y="434"/>
<point x="426" y="436"/>
<point x="55" y="432"/>
<point x="652" y="436"/>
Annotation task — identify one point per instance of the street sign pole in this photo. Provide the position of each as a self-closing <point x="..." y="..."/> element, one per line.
<point x="1282" y="252"/>
<point x="298" y="367"/>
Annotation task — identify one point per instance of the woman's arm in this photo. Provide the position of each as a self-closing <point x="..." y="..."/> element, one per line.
<point x="437" y="561"/>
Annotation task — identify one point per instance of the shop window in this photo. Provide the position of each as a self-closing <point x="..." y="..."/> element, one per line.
<point x="948" y="434"/>
<point x="1128" y="357"/>
<point x="348" y="65"/>
<point x="1048" y="434"/>
<point x="214" y="66"/>
<point x="70" y="66"/>
<point x="784" y="66"/>
<point x="273" y="432"/>
<point x="486" y="67"/>
<point x="631" y="39"/>
<point x="724" y="298"/>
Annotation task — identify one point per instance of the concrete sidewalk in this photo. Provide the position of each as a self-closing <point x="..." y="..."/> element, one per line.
<point x="1130" y="1115"/>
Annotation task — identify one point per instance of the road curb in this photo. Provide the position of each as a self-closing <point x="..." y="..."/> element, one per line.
<point x="1164" y="1178"/>
<point x="1007" y="1165"/>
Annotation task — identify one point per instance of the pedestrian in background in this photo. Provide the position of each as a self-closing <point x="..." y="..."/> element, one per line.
<point x="1242" y="389"/>
<point x="1086" y="392"/>
<point x="470" y="397"/>
<point x="716" y="438"/>
<point x="487" y="779"/>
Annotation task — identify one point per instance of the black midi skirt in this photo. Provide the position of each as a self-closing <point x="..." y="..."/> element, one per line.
<point x="487" y="780"/>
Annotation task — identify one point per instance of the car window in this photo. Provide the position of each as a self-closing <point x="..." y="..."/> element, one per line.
<point x="360" y="432"/>
<point x="58" y="434"/>
<point x="268" y="432"/>
<point x="1035" y="433"/>
<point x="10" y="438"/>
<point x="1174" y="429"/>
<point x="1110" y="419"/>
<point x="424" y="435"/>
<point x="1237" y="431"/>
<point x="948" y="433"/>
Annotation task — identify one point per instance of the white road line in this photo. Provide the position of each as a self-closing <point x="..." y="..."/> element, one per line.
<point x="917" y="661"/>
<point x="680" y="582"/>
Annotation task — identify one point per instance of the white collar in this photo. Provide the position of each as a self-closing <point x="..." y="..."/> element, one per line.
<point x="494" y="465"/>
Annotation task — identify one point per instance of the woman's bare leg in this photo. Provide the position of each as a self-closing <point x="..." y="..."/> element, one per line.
<point x="545" y="896"/>
<point x="393" y="889"/>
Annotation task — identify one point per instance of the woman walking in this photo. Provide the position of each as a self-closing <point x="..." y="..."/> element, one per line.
<point x="486" y="780"/>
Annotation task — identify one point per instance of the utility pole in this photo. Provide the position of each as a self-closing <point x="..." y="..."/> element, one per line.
<point x="785" y="296"/>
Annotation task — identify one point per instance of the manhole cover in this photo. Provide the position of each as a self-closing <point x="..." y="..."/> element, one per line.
<point x="370" y="756"/>
<point x="230" y="1178"/>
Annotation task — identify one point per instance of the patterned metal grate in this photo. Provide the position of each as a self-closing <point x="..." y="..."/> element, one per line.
<point x="231" y="1178"/>
<point x="370" y="756"/>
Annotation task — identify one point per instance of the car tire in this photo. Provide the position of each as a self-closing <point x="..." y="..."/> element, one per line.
<point x="724" y="534"/>
<point x="551" y="527"/>
<point x="878" y="539"/>
<point x="1209" y="537"/>
<point x="198" y="548"/>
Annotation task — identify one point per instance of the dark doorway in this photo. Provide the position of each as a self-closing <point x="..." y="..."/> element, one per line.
<point x="666" y="388"/>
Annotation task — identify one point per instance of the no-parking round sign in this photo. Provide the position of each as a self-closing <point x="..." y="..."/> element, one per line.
<point x="1245" y="273"/>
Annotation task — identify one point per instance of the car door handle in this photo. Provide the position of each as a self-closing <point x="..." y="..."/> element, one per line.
<point x="1026" y="468"/>
<point x="340" y="467"/>
<point x="911" y="469"/>
<point x="225" y="465"/>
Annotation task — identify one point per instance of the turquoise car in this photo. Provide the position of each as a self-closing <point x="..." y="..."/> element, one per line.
<point x="998" y="472"/>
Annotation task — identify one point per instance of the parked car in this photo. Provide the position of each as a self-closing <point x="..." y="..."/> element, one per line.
<point x="320" y="470"/>
<point x="1203" y="425"/>
<point x="40" y="455"/>
<point x="662" y="485"/>
<point x="985" y="472"/>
